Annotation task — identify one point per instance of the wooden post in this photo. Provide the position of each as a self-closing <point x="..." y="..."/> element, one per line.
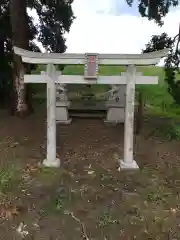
<point x="51" y="160"/>
<point x="128" y="162"/>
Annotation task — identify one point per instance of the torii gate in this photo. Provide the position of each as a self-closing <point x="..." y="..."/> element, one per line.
<point x="91" y="63"/>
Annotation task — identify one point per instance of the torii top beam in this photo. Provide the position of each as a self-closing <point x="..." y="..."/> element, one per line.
<point x="104" y="59"/>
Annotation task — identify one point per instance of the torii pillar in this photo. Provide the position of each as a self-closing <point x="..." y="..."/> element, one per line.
<point x="128" y="162"/>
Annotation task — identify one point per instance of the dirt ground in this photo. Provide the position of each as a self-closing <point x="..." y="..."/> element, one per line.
<point x="87" y="198"/>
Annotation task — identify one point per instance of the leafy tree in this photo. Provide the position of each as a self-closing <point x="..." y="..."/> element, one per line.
<point x="20" y="38"/>
<point x="55" y="18"/>
<point x="156" y="43"/>
<point x="4" y="52"/>
<point x="154" y="9"/>
<point x="172" y="61"/>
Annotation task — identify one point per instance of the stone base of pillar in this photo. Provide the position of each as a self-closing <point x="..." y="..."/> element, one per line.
<point x="62" y="114"/>
<point x="115" y="115"/>
<point x="127" y="165"/>
<point x="52" y="163"/>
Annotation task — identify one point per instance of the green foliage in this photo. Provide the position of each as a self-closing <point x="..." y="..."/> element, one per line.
<point x="171" y="67"/>
<point x="162" y="41"/>
<point x="156" y="95"/>
<point x="55" y="18"/>
<point x="154" y="9"/>
<point x="169" y="131"/>
<point x="9" y="178"/>
<point x="158" y="42"/>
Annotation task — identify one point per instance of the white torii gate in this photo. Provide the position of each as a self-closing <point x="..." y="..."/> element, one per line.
<point x="91" y="62"/>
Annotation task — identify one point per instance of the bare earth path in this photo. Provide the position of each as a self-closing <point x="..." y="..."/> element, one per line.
<point x="87" y="198"/>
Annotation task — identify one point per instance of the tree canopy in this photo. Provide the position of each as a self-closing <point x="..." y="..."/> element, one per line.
<point x="154" y="9"/>
<point x="55" y="18"/>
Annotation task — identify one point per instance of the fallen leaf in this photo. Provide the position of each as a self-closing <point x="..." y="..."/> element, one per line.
<point x="31" y="168"/>
<point x="14" y="144"/>
<point x="21" y="230"/>
<point x="90" y="172"/>
<point x="173" y="210"/>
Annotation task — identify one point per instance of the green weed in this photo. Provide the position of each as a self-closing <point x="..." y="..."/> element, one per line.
<point x="9" y="178"/>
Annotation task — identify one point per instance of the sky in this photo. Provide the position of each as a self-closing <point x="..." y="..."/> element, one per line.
<point x="111" y="26"/>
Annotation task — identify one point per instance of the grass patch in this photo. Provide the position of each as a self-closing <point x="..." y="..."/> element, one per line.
<point x="170" y="132"/>
<point x="156" y="96"/>
<point x="48" y="175"/>
<point x="9" y="179"/>
<point x="159" y="102"/>
<point x="59" y="202"/>
<point x="165" y="127"/>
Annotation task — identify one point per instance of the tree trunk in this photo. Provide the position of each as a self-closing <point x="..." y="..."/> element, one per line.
<point x="19" y="24"/>
<point x="2" y="71"/>
<point x="2" y="60"/>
